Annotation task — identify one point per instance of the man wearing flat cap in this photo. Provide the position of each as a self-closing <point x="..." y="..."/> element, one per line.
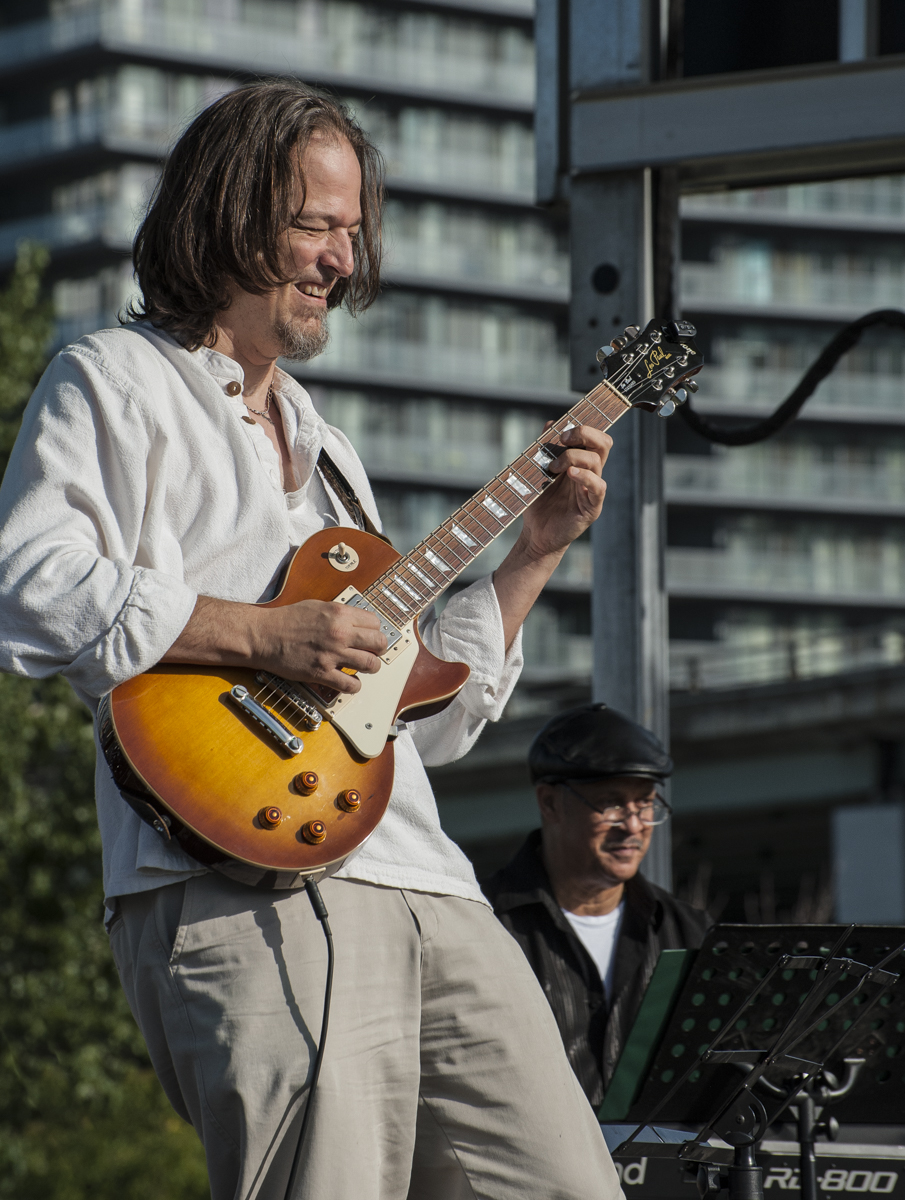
<point x="590" y="925"/>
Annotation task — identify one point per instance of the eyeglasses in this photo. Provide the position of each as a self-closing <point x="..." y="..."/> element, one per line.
<point x="648" y="812"/>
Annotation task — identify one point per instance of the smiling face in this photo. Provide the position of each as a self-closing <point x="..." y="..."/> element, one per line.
<point x="290" y="320"/>
<point x="579" y="844"/>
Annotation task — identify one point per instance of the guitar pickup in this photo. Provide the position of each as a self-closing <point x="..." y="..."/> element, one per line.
<point x="390" y="632"/>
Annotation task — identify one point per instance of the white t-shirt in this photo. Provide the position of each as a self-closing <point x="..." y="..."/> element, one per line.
<point x="599" y="935"/>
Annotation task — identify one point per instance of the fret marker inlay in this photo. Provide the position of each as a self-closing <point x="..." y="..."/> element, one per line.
<point x="404" y="607"/>
<point x="420" y="575"/>
<point x="518" y="486"/>
<point x="437" y="561"/>
<point x="463" y="536"/>
<point x="405" y="587"/>
<point x="497" y="509"/>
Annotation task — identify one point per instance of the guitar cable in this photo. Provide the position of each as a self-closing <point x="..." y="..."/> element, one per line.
<point x="320" y="911"/>
<point x="759" y="431"/>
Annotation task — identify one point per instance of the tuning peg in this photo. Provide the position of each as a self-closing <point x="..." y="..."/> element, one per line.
<point x="604" y="353"/>
<point x="632" y="331"/>
<point x="692" y="385"/>
<point x="681" y="395"/>
<point x="667" y="408"/>
<point x="618" y="342"/>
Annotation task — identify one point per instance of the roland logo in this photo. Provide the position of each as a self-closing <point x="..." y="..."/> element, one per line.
<point x="631" y="1174"/>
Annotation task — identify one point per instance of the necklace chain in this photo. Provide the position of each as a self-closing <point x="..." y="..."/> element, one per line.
<point x="265" y="411"/>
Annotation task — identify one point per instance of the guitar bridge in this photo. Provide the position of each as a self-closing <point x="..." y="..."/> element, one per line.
<point x="277" y="730"/>
<point x="305" y="710"/>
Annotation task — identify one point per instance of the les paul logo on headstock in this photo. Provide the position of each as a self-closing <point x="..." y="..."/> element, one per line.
<point x="648" y="366"/>
<point x="656" y="358"/>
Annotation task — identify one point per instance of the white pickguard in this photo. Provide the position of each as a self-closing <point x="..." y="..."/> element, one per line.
<point x="367" y="718"/>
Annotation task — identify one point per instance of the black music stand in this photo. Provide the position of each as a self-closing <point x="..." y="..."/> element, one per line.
<point x="784" y="1009"/>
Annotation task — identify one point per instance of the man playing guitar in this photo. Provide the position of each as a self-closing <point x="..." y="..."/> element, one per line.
<point x="164" y="473"/>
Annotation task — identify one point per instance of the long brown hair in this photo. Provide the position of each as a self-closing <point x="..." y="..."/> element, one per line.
<point x="226" y="196"/>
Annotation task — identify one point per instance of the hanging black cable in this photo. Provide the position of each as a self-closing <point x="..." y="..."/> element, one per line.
<point x="320" y="911"/>
<point x="758" y="431"/>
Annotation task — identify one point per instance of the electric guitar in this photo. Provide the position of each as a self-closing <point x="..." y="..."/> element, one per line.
<point x="272" y="781"/>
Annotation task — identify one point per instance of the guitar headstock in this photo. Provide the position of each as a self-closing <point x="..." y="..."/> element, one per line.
<point x="649" y="366"/>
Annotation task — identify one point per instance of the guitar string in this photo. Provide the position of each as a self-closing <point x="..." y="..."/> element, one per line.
<point x="279" y="702"/>
<point x="468" y="511"/>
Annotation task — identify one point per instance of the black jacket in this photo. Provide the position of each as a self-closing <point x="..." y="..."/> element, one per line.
<point x="593" y="1031"/>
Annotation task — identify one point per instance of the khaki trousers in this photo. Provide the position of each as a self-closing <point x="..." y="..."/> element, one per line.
<point x="444" y="1076"/>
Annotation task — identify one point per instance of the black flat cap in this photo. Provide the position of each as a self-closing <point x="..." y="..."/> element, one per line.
<point x="596" y="742"/>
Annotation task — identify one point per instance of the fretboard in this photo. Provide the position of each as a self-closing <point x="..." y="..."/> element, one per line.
<point x="416" y="580"/>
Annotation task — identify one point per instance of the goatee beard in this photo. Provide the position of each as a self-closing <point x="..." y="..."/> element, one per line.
<point x="300" y="342"/>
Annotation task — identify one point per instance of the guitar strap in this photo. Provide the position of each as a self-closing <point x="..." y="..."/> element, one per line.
<point x="346" y="495"/>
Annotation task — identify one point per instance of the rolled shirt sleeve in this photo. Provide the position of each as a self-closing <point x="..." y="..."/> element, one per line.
<point x="74" y="597"/>
<point x="469" y="630"/>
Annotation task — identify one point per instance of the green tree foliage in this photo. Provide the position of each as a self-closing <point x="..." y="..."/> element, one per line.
<point x="81" y="1113"/>
<point x="26" y="325"/>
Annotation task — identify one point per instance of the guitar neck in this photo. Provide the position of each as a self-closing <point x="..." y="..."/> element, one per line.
<point x="416" y="580"/>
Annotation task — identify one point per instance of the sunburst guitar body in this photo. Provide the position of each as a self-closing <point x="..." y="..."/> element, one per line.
<point x="273" y="781"/>
<point x="238" y="793"/>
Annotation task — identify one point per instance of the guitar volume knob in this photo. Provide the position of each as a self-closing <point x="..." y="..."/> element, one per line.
<point x="306" y="782"/>
<point x="314" y="832"/>
<point x="350" y="800"/>
<point x="270" y="816"/>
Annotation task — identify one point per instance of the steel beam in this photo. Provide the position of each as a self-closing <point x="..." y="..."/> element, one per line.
<point x="819" y="122"/>
<point x="612" y="227"/>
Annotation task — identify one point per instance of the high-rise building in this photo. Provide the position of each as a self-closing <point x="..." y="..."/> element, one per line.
<point x="786" y="558"/>
<point x="456" y="367"/>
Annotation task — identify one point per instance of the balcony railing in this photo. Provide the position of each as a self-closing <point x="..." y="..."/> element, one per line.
<point x="879" y="201"/>
<point x="564" y="656"/>
<point x="473" y="249"/>
<point x="483" y="74"/>
<point x="762" y="389"/>
<point x="428" y="438"/>
<point x="742" y="475"/>
<point x="29" y="140"/>
<point x="763" y="280"/>
<point x="463" y="171"/>
<point x="700" y="666"/>
<point x="412" y="161"/>
<point x="868" y="572"/>
<point x="112" y="224"/>
<point x="361" y="351"/>
<point x="386" y="360"/>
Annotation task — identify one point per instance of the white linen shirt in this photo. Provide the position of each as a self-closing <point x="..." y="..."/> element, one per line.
<point x="134" y="486"/>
